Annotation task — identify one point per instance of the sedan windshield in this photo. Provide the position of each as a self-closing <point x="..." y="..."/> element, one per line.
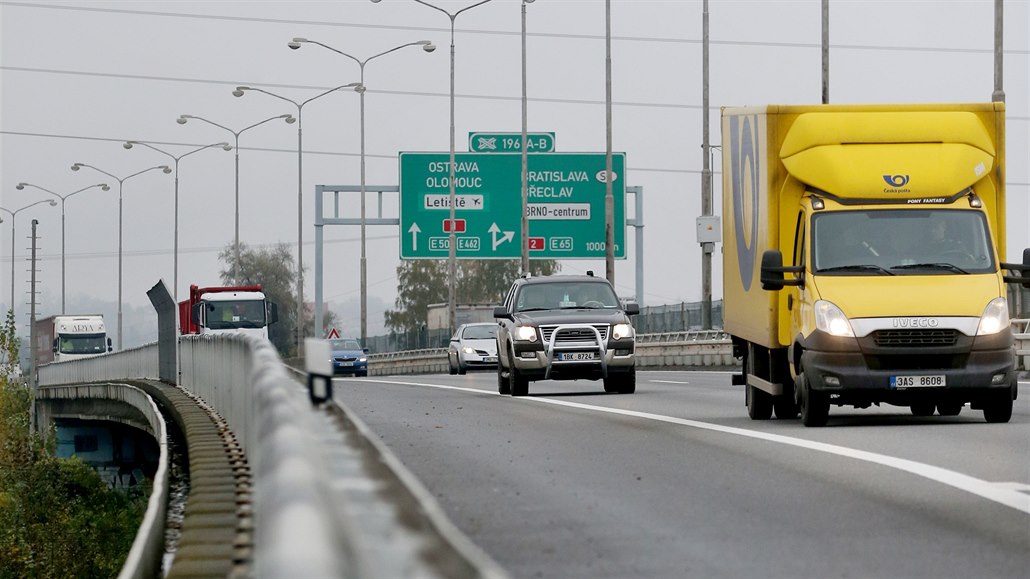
<point x="485" y="332"/>
<point x="901" y="242"/>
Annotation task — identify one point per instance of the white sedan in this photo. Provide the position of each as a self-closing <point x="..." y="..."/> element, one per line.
<point x="473" y="346"/>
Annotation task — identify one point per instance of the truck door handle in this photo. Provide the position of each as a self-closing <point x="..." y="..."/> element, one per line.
<point x="790" y="302"/>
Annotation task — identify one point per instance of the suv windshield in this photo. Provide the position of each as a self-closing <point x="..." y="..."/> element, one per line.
<point x="566" y="295"/>
<point x="898" y="242"/>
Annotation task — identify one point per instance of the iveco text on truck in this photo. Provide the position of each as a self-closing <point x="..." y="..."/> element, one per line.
<point x="227" y="309"/>
<point x="891" y="221"/>
<point x="62" y="338"/>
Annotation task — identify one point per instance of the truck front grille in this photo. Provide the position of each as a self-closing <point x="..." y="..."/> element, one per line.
<point x="915" y="338"/>
<point x="574" y="334"/>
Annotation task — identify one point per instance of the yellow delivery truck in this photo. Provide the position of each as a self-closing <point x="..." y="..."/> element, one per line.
<point x="863" y="249"/>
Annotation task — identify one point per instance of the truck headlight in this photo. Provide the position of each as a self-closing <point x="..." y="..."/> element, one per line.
<point x="830" y="319"/>
<point x="620" y="331"/>
<point x="995" y="317"/>
<point x="525" y="333"/>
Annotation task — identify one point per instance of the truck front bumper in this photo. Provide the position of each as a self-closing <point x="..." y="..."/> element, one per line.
<point x="855" y="378"/>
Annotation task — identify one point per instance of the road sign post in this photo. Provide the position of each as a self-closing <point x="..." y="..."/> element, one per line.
<point x="566" y="205"/>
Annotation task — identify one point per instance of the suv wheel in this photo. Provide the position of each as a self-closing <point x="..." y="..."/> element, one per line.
<point x="502" y="381"/>
<point x="517" y="383"/>
<point x="622" y="383"/>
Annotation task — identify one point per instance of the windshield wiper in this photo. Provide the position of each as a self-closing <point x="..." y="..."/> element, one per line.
<point x="534" y="310"/>
<point x="856" y="267"/>
<point x="935" y="265"/>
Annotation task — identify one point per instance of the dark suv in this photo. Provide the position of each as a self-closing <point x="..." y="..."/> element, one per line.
<point x="564" y="327"/>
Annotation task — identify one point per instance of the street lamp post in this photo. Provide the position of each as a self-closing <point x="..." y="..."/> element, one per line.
<point x="239" y="92"/>
<point x="426" y="46"/>
<point x="183" y="119"/>
<point x="525" y="153"/>
<point x="121" y="182"/>
<point x="452" y="264"/>
<point x="176" y="159"/>
<point x="13" y="214"/>
<point x="63" y="198"/>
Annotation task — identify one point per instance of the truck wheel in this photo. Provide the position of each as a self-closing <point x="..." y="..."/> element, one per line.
<point x="923" y="409"/>
<point x="785" y="407"/>
<point x="815" y="406"/>
<point x="759" y="403"/>
<point x="517" y="383"/>
<point x="998" y="409"/>
<point x="949" y="408"/>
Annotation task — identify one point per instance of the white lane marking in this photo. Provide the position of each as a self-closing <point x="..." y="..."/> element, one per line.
<point x="668" y="382"/>
<point x="999" y="493"/>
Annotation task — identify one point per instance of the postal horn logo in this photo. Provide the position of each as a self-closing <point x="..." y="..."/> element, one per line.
<point x="896" y="180"/>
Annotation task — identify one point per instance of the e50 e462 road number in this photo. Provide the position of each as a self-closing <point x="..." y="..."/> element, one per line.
<point x="917" y="381"/>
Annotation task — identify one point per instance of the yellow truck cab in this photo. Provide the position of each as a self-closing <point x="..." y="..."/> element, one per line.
<point x="863" y="249"/>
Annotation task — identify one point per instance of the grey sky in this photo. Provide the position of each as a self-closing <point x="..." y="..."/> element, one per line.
<point x="80" y="78"/>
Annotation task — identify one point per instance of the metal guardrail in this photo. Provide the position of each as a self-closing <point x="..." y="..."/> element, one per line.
<point x="1021" y="337"/>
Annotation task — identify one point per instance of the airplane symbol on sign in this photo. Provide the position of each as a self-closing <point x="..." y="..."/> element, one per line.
<point x="488" y="143"/>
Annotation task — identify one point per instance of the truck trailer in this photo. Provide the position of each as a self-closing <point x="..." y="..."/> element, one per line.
<point x="60" y="338"/>
<point x="863" y="258"/>
<point x="227" y="309"/>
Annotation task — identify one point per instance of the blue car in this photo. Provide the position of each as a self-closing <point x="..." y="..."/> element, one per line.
<point x="349" y="357"/>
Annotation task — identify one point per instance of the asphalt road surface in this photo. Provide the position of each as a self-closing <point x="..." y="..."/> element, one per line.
<point x="677" y="481"/>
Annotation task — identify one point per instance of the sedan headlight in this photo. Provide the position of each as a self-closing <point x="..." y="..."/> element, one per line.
<point x="468" y="350"/>
<point x="620" y="331"/>
<point x="830" y="319"/>
<point x="526" y="333"/>
<point x="995" y="317"/>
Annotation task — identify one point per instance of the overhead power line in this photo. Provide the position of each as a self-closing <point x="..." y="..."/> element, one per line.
<point x="366" y="26"/>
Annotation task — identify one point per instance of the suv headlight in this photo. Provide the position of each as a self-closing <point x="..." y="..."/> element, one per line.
<point x="525" y="333"/>
<point x="620" y="331"/>
<point x="830" y="319"/>
<point x="995" y="317"/>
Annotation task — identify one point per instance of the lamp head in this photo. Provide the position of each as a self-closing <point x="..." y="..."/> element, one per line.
<point x="237" y="93"/>
<point x="127" y="144"/>
<point x="359" y="88"/>
<point x="290" y="119"/>
<point x="166" y="169"/>
<point x="104" y="187"/>
<point x="53" y="203"/>
<point x="20" y="186"/>
<point x="375" y="1"/>
<point x="76" y="166"/>
<point x="295" y="43"/>
<point x="226" y="146"/>
<point x="429" y="47"/>
<point x="182" y="119"/>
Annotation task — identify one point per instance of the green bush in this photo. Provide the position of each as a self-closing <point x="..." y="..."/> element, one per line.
<point x="57" y="517"/>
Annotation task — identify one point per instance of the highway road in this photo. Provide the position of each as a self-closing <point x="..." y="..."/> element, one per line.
<point x="676" y="481"/>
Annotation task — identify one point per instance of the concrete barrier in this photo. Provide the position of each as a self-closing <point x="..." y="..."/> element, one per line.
<point x="690" y="349"/>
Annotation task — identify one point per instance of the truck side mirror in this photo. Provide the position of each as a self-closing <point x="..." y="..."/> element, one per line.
<point x="1023" y="278"/>
<point x="110" y="348"/>
<point x="632" y="309"/>
<point x="195" y="314"/>
<point x="56" y="343"/>
<point x="773" y="270"/>
<point x="273" y="312"/>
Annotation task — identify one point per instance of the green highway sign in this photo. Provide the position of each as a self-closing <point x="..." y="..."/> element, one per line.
<point x="565" y="205"/>
<point x="510" y="142"/>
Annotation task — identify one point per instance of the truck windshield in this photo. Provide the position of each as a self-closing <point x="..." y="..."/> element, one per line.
<point x="82" y="344"/>
<point x="232" y="314"/>
<point x="900" y="242"/>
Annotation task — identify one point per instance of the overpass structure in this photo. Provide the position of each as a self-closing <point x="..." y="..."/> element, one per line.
<point x="281" y="485"/>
